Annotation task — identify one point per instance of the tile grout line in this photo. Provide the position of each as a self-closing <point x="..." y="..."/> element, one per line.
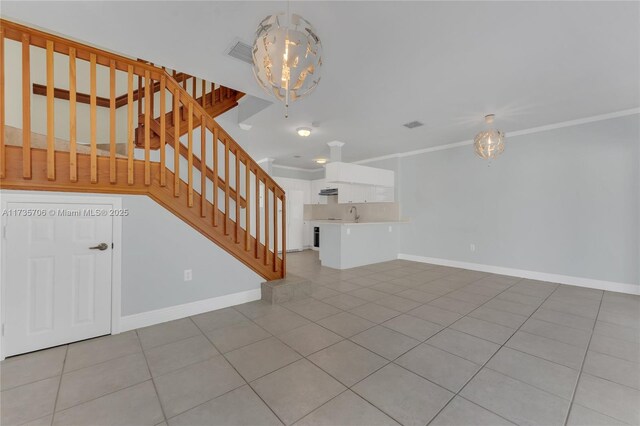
<point x="515" y="350"/>
<point x="98" y="397"/>
<point x="584" y="358"/>
<point x="219" y="354"/>
<point x="491" y="357"/>
<point x="555" y="291"/>
<point x="55" y="403"/>
<point x="444" y="328"/>
<point x="343" y="339"/>
<point x="144" y="355"/>
<point x="455" y="394"/>
<point x="375" y="324"/>
<point x="238" y="373"/>
<point x="112" y="392"/>
<point x="400" y="366"/>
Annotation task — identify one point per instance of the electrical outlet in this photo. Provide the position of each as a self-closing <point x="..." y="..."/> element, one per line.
<point x="472" y="247"/>
<point x="390" y="229"/>
<point x="188" y="274"/>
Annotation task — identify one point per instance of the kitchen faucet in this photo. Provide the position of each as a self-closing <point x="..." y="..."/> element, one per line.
<point x="351" y="211"/>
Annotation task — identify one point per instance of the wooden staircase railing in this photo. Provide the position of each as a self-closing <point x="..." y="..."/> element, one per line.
<point x="215" y="101"/>
<point x="198" y="172"/>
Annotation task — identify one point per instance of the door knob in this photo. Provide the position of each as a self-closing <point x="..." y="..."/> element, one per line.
<point x="101" y="247"/>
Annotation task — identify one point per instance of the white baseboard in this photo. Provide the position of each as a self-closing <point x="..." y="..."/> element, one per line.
<point x="521" y="273"/>
<point x="171" y="313"/>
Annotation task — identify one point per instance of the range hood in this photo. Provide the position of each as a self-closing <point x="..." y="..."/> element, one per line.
<point x="328" y="191"/>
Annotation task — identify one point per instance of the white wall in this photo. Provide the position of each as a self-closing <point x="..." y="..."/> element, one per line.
<point x="564" y="201"/>
<point x="158" y="247"/>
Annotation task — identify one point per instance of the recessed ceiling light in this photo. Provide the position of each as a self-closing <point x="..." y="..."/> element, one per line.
<point x="304" y="131"/>
<point x="321" y="160"/>
<point x="296" y="156"/>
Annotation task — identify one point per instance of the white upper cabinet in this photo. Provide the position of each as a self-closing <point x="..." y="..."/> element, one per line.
<point x="339" y="172"/>
<point x="348" y="193"/>
<point x="352" y="193"/>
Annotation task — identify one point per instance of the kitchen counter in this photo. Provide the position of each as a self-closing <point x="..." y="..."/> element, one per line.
<point x="345" y="244"/>
<point x="345" y="222"/>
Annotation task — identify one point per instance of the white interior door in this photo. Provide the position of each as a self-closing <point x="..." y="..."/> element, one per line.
<point x="57" y="285"/>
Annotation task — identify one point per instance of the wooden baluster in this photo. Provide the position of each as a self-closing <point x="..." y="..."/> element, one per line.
<point x="247" y="210"/>
<point x="112" y="122"/>
<point x="173" y="116"/>
<point x="176" y="142"/>
<point x="147" y="129"/>
<point x="237" y="188"/>
<point x="130" y="124"/>
<point x="3" y="151"/>
<point x="184" y="81"/>
<point x="163" y="132"/>
<point x="226" y="186"/>
<point x="26" y="107"/>
<point x="257" y="256"/>
<point x="213" y="93"/>
<point x="203" y="167"/>
<point x="183" y="115"/>
<point x="92" y="115"/>
<point x="73" y="157"/>
<point x="216" y="169"/>
<point x="284" y="236"/>
<point x="152" y="96"/>
<point x="266" y="221"/>
<point x="140" y="95"/>
<point x="204" y="93"/>
<point x="51" y="124"/>
<point x="193" y="88"/>
<point x="275" y="230"/>
<point x="190" y="156"/>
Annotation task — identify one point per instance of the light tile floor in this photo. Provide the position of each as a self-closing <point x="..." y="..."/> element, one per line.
<point x="397" y="342"/>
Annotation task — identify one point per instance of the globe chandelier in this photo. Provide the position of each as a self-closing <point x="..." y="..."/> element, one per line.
<point x="287" y="57"/>
<point x="489" y="143"/>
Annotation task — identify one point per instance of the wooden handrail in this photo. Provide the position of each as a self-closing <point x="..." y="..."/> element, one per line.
<point x="16" y="32"/>
<point x="211" y="124"/>
<point x="32" y="166"/>
<point x="83" y="98"/>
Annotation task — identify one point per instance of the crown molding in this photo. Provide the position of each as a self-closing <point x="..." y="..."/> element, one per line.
<point x="529" y="131"/>
<point x="300" y="169"/>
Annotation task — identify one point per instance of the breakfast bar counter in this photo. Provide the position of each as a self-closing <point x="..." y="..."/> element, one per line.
<point x="345" y="245"/>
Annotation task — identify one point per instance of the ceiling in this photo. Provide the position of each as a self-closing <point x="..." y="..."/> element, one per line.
<point x="446" y="64"/>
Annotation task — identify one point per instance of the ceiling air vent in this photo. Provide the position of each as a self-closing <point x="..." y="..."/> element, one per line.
<point x="413" y="124"/>
<point x="241" y="51"/>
